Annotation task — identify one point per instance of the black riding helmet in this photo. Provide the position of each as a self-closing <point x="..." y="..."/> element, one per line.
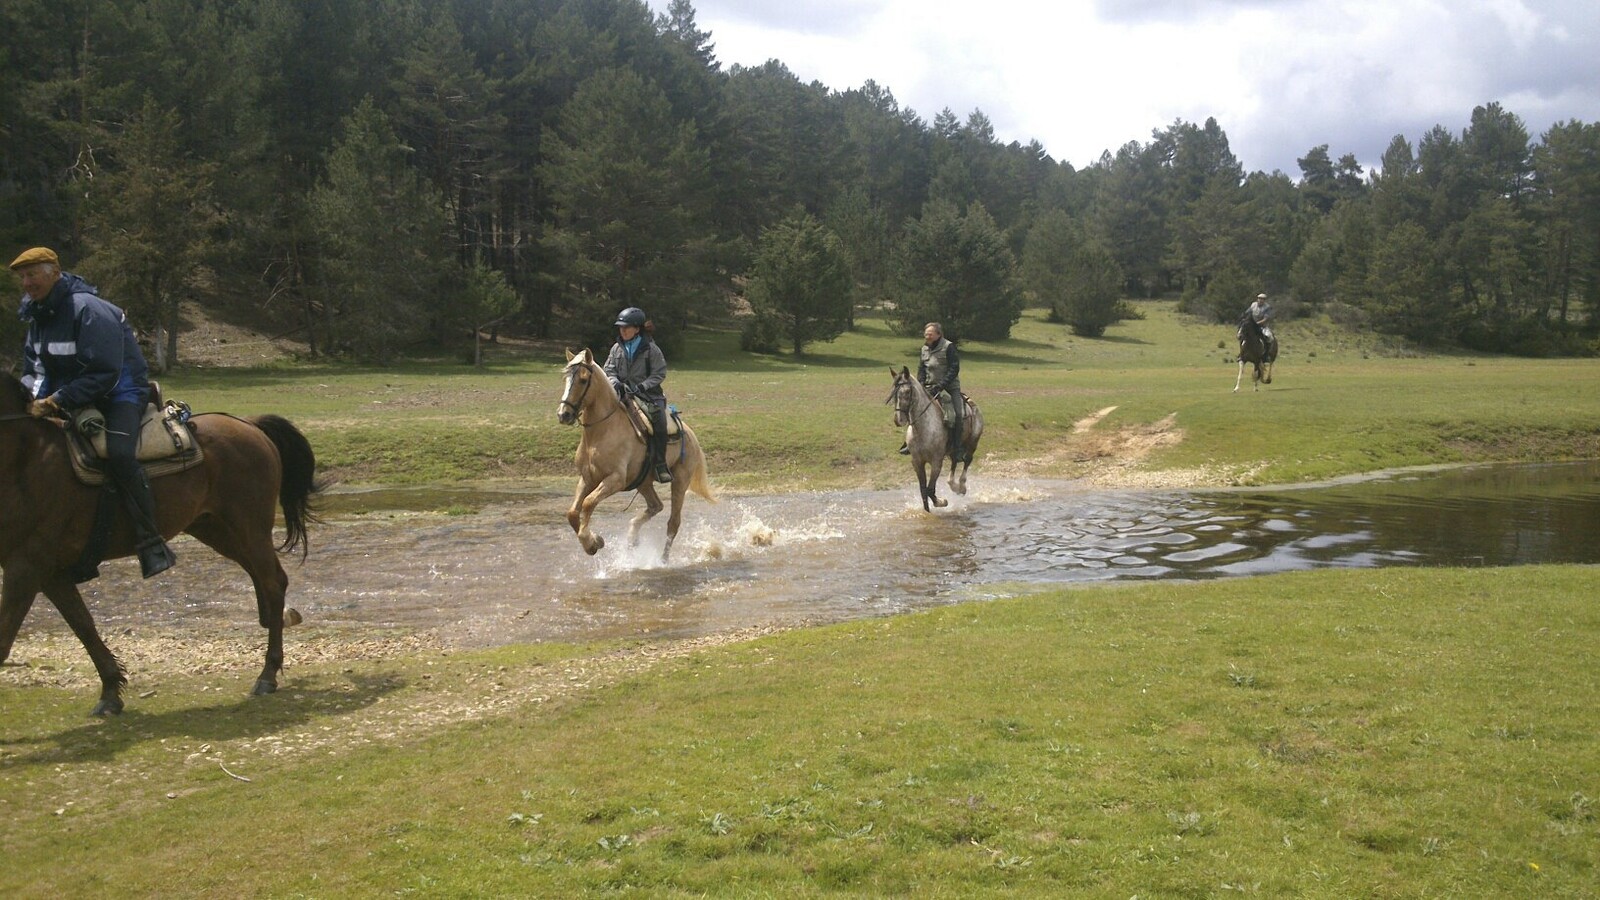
<point x="633" y="315"/>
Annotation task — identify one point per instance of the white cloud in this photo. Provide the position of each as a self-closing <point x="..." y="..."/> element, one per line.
<point x="1280" y="77"/>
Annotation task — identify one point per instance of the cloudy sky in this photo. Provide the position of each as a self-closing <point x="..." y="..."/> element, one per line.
<point x="1279" y="76"/>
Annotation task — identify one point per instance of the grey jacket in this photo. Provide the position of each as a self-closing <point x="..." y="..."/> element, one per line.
<point x="644" y="372"/>
<point x="940" y="368"/>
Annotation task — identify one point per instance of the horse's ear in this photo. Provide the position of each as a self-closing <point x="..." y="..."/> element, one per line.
<point x="905" y="372"/>
<point x="570" y="354"/>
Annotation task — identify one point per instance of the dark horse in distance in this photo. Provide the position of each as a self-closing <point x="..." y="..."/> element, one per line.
<point x="228" y="502"/>
<point x="1260" y="352"/>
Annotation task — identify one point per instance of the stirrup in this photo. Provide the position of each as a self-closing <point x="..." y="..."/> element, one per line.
<point x="156" y="558"/>
<point x="663" y="475"/>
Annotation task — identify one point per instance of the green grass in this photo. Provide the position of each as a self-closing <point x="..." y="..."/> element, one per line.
<point x="1393" y="733"/>
<point x="1341" y="403"/>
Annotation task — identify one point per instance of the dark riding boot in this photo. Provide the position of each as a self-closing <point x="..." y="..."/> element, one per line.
<point x="956" y="450"/>
<point x="663" y="471"/>
<point x="658" y="446"/>
<point x="122" y="425"/>
<point x="155" y="556"/>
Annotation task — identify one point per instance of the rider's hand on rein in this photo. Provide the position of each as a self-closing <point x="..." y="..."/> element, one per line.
<point x="45" y="406"/>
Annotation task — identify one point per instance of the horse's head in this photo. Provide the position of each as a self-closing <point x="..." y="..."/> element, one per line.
<point x="901" y="395"/>
<point x="579" y="376"/>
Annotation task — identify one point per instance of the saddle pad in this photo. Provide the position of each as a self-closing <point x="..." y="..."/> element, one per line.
<point x="166" y="444"/>
<point x="91" y="469"/>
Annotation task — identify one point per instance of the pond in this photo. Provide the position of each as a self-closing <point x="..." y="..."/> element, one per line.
<point x="508" y="569"/>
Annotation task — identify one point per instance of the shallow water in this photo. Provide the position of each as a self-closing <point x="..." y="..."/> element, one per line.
<point x="508" y="569"/>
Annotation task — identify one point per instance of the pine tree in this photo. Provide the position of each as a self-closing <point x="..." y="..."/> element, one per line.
<point x="383" y="240"/>
<point x="957" y="270"/>
<point x="149" y="225"/>
<point x="800" y="287"/>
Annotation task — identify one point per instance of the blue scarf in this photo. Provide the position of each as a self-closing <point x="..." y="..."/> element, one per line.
<point x="631" y="347"/>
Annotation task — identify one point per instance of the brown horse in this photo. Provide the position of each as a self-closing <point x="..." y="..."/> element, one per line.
<point x="927" y="437"/>
<point x="227" y="503"/>
<point x="611" y="455"/>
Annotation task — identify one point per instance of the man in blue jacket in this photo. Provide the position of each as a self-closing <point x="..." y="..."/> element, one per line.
<point x="80" y="351"/>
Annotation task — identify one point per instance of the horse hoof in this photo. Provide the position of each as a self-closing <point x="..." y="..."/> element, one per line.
<point x="941" y="503"/>
<point x="263" y="687"/>
<point x="107" y="707"/>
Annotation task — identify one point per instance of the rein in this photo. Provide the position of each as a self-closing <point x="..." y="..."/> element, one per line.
<point x="12" y="417"/>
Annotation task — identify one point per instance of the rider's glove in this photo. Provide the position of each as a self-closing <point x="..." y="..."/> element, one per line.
<point x="45" y="406"/>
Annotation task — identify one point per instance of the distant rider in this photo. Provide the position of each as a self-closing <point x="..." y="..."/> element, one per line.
<point x="80" y="351"/>
<point x="940" y="372"/>
<point x="636" y="367"/>
<point x="1258" y="317"/>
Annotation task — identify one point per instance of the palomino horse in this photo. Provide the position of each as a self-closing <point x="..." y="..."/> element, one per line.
<point x="1258" y="353"/>
<point x="611" y="455"/>
<point x="228" y="502"/>
<point x="928" y="438"/>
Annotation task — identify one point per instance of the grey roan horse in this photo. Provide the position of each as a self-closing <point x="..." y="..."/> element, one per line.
<point x="1258" y="353"/>
<point x="928" y="438"/>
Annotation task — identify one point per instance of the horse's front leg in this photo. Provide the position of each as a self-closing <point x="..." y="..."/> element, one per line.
<point x="64" y="594"/>
<point x="652" y="506"/>
<point x="930" y="484"/>
<point x="1239" y="380"/>
<point x="16" y="598"/>
<point x="583" y="511"/>
<point x="921" y="469"/>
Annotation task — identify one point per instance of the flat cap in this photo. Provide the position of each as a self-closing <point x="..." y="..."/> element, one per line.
<point x="35" y="255"/>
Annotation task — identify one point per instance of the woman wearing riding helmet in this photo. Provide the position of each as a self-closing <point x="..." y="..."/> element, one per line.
<point x="636" y="366"/>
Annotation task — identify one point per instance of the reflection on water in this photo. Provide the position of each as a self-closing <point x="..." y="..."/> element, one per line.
<point x="491" y="568"/>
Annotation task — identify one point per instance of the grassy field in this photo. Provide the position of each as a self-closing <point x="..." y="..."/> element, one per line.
<point x="1388" y="733"/>
<point x="1396" y="733"/>
<point x="1341" y="404"/>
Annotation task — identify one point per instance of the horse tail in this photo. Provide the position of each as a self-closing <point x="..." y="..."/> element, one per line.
<point x="300" y="483"/>
<point x="699" y="484"/>
<point x="697" y="481"/>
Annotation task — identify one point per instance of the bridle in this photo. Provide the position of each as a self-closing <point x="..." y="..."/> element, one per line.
<point x="577" y="407"/>
<point x="893" y="397"/>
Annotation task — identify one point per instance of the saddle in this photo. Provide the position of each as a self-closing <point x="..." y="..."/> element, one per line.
<point x="967" y="409"/>
<point x="640" y="418"/>
<point x="166" y="441"/>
